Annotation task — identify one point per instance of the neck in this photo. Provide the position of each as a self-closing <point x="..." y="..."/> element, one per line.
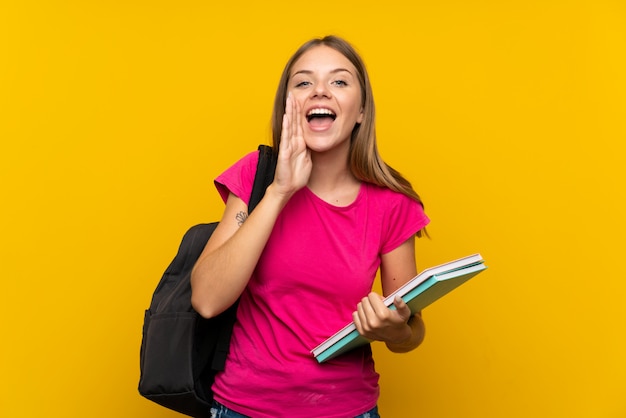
<point x="330" y="169"/>
<point x="332" y="180"/>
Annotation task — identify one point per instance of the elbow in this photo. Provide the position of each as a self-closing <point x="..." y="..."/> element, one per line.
<point x="198" y="306"/>
<point x="205" y="308"/>
<point x="203" y="305"/>
<point x="199" y="301"/>
<point x="208" y="308"/>
<point x="201" y="308"/>
<point x="206" y="299"/>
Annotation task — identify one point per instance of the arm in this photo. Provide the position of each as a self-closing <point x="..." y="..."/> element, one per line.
<point x="229" y="258"/>
<point x="397" y="328"/>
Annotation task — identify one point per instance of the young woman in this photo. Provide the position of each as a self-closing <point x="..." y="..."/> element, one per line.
<point x="305" y="260"/>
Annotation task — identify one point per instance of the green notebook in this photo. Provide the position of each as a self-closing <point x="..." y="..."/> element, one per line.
<point x="419" y="292"/>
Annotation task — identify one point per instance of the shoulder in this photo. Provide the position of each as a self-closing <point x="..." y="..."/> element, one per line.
<point x="399" y="215"/>
<point x="238" y="178"/>
<point x="247" y="162"/>
<point x="389" y="199"/>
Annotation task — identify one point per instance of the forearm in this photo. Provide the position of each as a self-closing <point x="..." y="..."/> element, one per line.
<point x="222" y="273"/>
<point x="418" y="330"/>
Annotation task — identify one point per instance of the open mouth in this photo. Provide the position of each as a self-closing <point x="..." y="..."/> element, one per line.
<point x="320" y="117"/>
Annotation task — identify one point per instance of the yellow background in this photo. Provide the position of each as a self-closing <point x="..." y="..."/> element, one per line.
<point x="508" y="117"/>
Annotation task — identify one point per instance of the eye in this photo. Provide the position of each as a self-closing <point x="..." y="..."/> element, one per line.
<point x="340" y="83"/>
<point x="303" y="83"/>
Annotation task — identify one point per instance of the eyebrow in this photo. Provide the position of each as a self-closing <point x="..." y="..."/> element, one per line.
<point x="336" y="70"/>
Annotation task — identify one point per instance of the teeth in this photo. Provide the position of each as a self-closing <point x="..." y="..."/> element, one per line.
<point x="320" y="112"/>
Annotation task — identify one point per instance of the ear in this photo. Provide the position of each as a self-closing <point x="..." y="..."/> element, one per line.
<point x="359" y="120"/>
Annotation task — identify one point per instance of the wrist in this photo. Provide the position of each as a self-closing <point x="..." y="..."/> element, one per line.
<point x="402" y="337"/>
<point x="278" y="196"/>
<point x="415" y="338"/>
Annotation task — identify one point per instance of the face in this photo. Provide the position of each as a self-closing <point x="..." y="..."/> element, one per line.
<point x="325" y="85"/>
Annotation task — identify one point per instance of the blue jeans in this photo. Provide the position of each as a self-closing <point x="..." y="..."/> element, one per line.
<point x="220" y="411"/>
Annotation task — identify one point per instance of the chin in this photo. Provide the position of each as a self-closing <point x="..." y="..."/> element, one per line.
<point x="323" y="145"/>
<point x="318" y="147"/>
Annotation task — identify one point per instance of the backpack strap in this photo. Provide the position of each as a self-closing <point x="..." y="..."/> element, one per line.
<point x="263" y="178"/>
<point x="264" y="175"/>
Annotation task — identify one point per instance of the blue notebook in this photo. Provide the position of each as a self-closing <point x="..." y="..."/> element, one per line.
<point x="419" y="292"/>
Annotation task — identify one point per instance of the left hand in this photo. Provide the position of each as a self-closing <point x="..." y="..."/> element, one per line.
<point x="376" y="321"/>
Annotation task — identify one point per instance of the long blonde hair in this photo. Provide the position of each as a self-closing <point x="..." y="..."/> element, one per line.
<point x="364" y="160"/>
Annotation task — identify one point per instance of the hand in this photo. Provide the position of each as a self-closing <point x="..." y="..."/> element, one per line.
<point x="375" y="321"/>
<point x="294" y="165"/>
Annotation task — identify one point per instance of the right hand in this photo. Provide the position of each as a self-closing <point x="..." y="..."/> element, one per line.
<point x="294" y="164"/>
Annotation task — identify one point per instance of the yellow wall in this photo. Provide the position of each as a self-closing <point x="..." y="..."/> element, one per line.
<point x="508" y="116"/>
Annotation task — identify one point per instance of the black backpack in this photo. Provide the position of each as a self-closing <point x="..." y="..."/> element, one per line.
<point x="180" y="351"/>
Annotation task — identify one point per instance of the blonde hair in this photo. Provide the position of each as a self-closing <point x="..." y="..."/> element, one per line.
<point x="364" y="159"/>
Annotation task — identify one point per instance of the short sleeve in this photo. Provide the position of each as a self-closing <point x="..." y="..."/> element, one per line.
<point x="238" y="179"/>
<point x="405" y="218"/>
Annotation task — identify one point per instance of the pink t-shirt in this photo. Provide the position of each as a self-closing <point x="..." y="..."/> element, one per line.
<point x="319" y="261"/>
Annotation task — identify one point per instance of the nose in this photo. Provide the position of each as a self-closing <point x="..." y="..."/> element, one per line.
<point x="321" y="91"/>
